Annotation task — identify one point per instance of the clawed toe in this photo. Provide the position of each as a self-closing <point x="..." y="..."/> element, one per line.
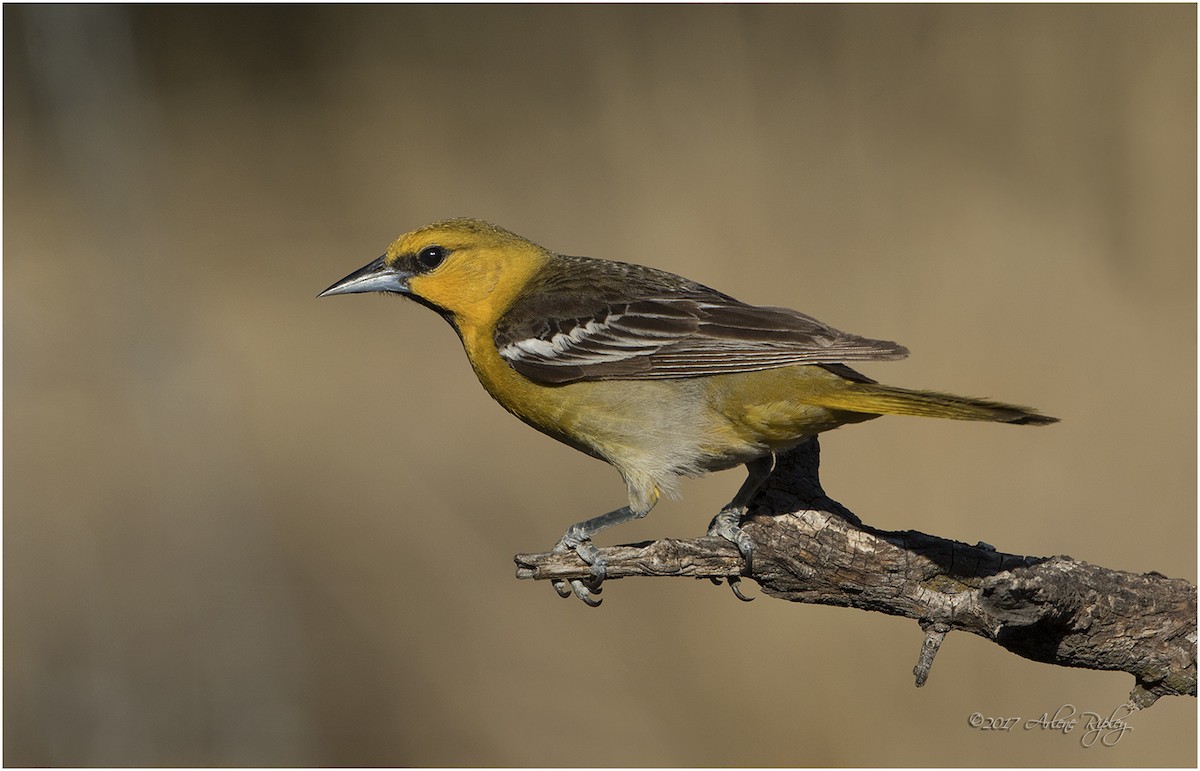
<point x="586" y="590"/>
<point x="727" y="525"/>
<point x="735" y="583"/>
<point x="587" y="593"/>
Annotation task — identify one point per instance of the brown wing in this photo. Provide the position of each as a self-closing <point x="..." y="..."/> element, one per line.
<point x="651" y="325"/>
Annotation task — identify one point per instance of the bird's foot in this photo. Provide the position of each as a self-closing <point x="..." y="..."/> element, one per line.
<point x="726" y="525"/>
<point x="585" y="590"/>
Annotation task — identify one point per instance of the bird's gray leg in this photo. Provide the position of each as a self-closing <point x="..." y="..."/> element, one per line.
<point x="726" y="523"/>
<point x="578" y="539"/>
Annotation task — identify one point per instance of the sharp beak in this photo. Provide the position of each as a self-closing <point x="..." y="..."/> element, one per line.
<point x="373" y="277"/>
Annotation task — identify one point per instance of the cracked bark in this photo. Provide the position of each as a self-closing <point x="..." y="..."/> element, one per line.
<point x="811" y="549"/>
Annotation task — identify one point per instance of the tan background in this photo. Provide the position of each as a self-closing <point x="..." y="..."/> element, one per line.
<point x="229" y="508"/>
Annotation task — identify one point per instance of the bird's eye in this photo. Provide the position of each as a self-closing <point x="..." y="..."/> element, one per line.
<point x="431" y="256"/>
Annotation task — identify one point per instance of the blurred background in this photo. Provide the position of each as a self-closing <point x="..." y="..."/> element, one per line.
<point x="244" y="527"/>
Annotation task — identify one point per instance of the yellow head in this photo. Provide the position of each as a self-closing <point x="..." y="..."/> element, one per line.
<point x="466" y="269"/>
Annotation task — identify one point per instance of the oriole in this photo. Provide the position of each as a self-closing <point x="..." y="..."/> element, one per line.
<point x="656" y="374"/>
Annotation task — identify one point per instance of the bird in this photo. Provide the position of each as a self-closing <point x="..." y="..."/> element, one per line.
<point x="658" y="375"/>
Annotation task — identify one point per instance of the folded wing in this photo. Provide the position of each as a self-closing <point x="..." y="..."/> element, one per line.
<point x="682" y="329"/>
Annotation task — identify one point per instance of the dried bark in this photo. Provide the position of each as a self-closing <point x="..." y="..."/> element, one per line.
<point x="809" y="548"/>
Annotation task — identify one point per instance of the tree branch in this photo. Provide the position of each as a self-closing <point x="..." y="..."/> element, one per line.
<point x="809" y="548"/>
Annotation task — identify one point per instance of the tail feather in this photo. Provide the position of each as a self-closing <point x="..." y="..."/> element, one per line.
<point x="875" y="399"/>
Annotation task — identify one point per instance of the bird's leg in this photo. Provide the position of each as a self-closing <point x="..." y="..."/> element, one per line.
<point x="726" y="523"/>
<point x="578" y="539"/>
